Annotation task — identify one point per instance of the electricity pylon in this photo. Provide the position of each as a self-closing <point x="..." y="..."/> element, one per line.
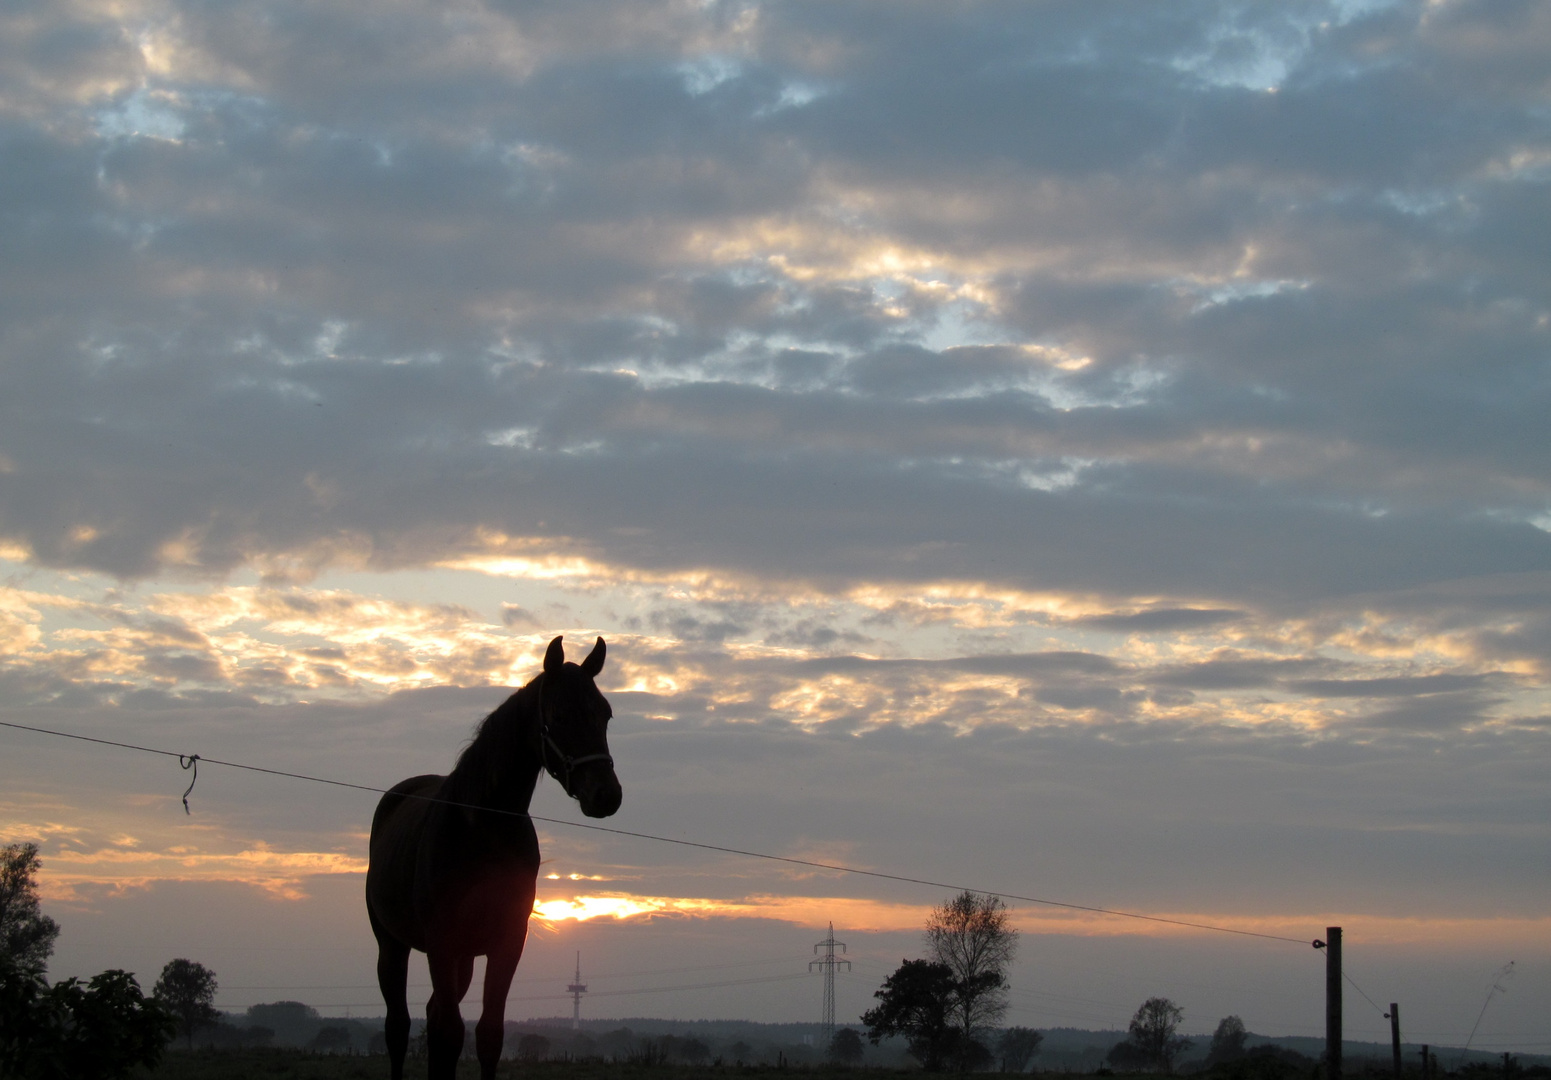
<point x="827" y="963"/>
<point x="576" y="990"/>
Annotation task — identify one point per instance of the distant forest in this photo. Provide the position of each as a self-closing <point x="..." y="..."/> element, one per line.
<point x="693" y="1042"/>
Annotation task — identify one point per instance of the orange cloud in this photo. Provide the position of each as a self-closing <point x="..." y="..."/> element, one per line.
<point x="281" y="873"/>
<point x="887" y="916"/>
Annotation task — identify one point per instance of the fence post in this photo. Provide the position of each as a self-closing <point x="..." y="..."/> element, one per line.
<point x="1333" y="1003"/>
<point x="1394" y="1035"/>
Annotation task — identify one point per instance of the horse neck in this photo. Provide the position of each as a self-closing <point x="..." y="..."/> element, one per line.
<point x="500" y="768"/>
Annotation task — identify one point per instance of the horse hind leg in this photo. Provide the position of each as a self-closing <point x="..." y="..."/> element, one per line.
<point x="392" y="981"/>
<point x="450" y="976"/>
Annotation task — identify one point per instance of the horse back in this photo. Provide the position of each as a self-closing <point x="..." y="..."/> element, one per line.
<point x="396" y="846"/>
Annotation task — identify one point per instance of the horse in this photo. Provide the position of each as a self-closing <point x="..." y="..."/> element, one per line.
<point x="454" y="859"/>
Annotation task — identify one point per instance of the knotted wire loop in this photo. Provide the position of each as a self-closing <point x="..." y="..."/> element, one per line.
<point x="190" y="761"/>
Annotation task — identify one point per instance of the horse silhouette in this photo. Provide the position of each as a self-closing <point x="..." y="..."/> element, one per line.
<point x="454" y="859"/>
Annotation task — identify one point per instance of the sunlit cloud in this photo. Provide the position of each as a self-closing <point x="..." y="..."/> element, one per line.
<point x="126" y="864"/>
<point x="801" y="656"/>
<point x="862" y="915"/>
<point x="583" y="908"/>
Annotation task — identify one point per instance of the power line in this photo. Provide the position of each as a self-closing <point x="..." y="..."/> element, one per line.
<point x="1499" y="977"/>
<point x="628" y="992"/>
<point x="791" y="860"/>
<point x="535" y="978"/>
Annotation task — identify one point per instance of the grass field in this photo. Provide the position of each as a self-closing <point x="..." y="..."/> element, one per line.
<point x="293" y="1064"/>
<point x="284" y="1064"/>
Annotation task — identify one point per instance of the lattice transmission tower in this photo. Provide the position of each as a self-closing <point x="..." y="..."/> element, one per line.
<point x="576" y="990"/>
<point x="827" y="963"/>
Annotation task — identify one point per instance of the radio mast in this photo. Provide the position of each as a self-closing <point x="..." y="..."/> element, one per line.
<point x="576" y="990"/>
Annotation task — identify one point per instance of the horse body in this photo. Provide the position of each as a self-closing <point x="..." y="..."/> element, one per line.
<point x="454" y="859"/>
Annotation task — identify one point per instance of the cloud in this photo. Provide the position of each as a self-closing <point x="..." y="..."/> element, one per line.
<point x="1137" y="413"/>
<point x="80" y="859"/>
<point x="1162" y="619"/>
<point x="387" y="353"/>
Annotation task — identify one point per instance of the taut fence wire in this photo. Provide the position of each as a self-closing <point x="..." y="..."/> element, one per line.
<point x="190" y="759"/>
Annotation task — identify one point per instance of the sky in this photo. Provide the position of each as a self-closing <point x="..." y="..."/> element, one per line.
<point x="1078" y="450"/>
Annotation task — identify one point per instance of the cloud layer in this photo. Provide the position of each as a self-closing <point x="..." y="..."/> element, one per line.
<point x="1114" y="433"/>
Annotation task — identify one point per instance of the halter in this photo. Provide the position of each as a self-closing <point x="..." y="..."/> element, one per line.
<point x="548" y="746"/>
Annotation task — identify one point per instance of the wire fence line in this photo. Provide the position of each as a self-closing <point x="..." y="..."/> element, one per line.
<point x="193" y="759"/>
<point x="189" y="760"/>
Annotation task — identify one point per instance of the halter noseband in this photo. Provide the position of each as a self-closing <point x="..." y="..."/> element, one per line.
<point x="548" y="746"/>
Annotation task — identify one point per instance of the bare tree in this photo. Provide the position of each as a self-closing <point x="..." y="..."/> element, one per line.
<point x="971" y="935"/>
<point x="1153" y="1041"/>
<point x="1017" y="1046"/>
<point x="26" y="935"/>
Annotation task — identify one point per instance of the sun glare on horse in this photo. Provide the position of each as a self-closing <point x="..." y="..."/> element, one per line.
<point x="455" y="858"/>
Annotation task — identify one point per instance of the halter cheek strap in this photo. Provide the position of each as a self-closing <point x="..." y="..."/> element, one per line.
<point x="550" y="751"/>
<point x="552" y="755"/>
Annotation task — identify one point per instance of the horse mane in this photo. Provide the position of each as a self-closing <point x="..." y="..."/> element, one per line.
<point x="497" y="742"/>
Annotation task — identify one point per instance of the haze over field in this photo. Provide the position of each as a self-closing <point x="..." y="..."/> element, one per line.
<point x="1092" y="451"/>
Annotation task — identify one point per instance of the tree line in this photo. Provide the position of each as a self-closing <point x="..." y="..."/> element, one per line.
<point x="104" y="1027"/>
<point x="946" y="1005"/>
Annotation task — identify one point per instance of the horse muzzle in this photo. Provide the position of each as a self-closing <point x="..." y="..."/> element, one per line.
<point x="597" y="790"/>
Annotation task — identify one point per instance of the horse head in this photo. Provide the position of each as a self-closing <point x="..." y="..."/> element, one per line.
<point x="573" y="731"/>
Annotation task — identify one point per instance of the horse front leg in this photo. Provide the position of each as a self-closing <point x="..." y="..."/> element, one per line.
<point x="450" y="975"/>
<point x="490" y="1032"/>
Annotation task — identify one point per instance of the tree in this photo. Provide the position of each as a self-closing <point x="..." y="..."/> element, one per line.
<point x="26" y="935"/>
<point x="1227" y="1041"/>
<point x="845" y="1046"/>
<point x="103" y="1029"/>
<point x="187" y="991"/>
<point x="1152" y="1042"/>
<point x="693" y="1050"/>
<point x="915" y="1002"/>
<point x="1017" y="1047"/>
<point x="1126" y="1057"/>
<point x="971" y="935"/>
<point x="289" y="1021"/>
<point x="21" y="987"/>
<point x="331" y="1039"/>
<point x="688" y="1048"/>
<point x="532" y="1047"/>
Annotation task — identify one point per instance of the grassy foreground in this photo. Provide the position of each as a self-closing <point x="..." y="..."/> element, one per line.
<point x="286" y="1064"/>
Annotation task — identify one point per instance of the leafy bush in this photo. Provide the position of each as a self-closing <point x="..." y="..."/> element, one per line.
<point x="102" y="1029"/>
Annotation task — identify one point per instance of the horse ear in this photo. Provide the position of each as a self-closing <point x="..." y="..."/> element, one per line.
<point x="554" y="659"/>
<point x="594" y="662"/>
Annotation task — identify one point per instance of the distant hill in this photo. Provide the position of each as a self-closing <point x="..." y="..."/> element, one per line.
<point x="1074" y="1047"/>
